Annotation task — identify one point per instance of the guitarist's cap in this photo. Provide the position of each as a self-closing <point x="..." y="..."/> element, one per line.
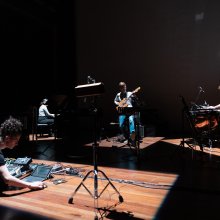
<point x="122" y="84"/>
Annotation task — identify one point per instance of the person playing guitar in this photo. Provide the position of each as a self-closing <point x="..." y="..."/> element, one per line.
<point x="124" y="99"/>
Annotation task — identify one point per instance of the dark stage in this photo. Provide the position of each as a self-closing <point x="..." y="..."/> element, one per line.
<point x="170" y="50"/>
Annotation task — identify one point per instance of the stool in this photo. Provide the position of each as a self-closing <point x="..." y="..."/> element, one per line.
<point x="42" y="129"/>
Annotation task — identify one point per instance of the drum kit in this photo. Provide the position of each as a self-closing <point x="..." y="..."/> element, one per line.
<point x="206" y="124"/>
<point x="205" y="117"/>
<point x="204" y="121"/>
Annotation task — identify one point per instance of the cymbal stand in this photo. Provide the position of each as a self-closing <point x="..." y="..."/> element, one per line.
<point x="191" y="143"/>
<point x="207" y="135"/>
<point x="95" y="171"/>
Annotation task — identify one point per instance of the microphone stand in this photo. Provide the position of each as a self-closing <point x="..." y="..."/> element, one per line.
<point x="197" y="97"/>
<point x="186" y="114"/>
<point x="95" y="171"/>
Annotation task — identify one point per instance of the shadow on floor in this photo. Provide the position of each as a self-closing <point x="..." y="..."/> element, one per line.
<point x="195" y="194"/>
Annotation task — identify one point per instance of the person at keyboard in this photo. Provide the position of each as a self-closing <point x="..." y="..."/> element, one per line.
<point x="45" y="117"/>
<point x="214" y="107"/>
<point x="10" y="133"/>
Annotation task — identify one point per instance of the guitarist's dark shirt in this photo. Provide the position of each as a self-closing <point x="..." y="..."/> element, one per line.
<point x="123" y="95"/>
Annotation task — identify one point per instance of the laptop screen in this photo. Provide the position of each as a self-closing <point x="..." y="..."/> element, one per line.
<point x="42" y="171"/>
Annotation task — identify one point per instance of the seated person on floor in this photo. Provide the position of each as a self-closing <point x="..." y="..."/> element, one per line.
<point x="10" y="133"/>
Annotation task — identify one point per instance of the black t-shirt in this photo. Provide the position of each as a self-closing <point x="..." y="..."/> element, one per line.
<point x="3" y="186"/>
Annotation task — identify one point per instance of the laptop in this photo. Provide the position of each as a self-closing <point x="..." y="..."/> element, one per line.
<point x="40" y="173"/>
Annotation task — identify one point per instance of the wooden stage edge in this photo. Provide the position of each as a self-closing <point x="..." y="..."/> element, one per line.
<point x="112" y="142"/>
<point x="143" y="193"/>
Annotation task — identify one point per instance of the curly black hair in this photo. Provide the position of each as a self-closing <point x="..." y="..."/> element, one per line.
<point x="11" y="127"/>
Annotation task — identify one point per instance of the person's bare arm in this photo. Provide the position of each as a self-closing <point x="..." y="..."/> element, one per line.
<point x="46" y="111"/>
<point x="217" y="106"/>
<point x="13" y="181"/>
<point x="213" y="107"/>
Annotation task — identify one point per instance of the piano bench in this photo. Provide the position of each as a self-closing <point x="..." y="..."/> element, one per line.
<point x="42" y="128"/>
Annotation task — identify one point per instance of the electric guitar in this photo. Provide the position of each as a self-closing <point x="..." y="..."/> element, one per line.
<point x="123" y="103"/>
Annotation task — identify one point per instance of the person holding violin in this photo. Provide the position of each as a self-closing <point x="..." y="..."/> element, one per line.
<point x="124" y="99"/>
<point x="214" y="107"/>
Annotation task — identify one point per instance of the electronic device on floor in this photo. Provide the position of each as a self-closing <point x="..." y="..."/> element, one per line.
<point x="40" y="173"/>
<point x="15" y="170"/>
<point x="18" y="167"/>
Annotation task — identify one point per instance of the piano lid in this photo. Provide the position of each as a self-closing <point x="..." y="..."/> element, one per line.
<point x="93" y="89"/>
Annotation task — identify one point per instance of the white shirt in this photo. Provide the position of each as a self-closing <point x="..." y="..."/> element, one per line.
<point x="43" y="111"/>
<point x="128" y="95"/>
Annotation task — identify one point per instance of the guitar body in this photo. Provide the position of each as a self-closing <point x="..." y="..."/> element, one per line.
<point x="123" y="103"/>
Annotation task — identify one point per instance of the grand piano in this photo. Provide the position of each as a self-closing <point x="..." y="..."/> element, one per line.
<point x="73" y="111"/>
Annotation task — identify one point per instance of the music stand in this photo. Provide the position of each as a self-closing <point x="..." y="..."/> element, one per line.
<point x="94" y="90"/>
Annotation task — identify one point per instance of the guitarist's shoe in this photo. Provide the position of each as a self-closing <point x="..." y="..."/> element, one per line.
<point x="121" y="139"/>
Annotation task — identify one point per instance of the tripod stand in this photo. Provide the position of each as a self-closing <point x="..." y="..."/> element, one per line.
<point x="191" y="143"/>
<point x="95" y="170"/>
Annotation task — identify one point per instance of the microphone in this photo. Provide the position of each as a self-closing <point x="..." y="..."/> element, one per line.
<point x="88" y="82"/>
<point x="201" y="90"/>
<point x="90" y="79"/>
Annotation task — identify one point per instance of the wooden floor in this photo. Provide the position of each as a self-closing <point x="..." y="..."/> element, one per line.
<point x="112" y="142"/>
<point x="143" y="193"/>
<point x="169" y="181"/>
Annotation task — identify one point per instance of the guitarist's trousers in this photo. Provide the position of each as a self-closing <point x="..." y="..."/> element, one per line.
<point x="122" y="119"/>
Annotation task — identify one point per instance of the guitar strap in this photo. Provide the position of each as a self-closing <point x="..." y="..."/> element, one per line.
<point x="123" y="95"/>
